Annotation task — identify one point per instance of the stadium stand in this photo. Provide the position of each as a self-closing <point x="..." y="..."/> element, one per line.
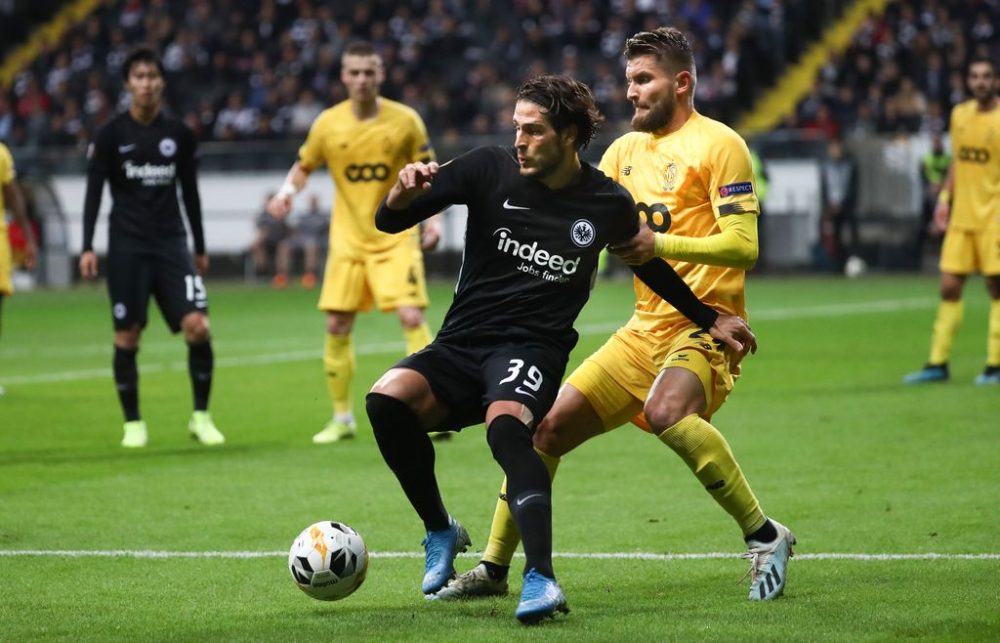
<point x="240" y="70"/>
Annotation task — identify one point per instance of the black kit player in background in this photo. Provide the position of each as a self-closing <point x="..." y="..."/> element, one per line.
<point x="143" y="154"/>
<point x="538" y="219"/>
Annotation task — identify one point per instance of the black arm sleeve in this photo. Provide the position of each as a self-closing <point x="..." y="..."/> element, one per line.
<point x="189" y="188"/>
<point x="658" y="275"/>
<point x="96" y="175"/>
<point x="455" y="182"/>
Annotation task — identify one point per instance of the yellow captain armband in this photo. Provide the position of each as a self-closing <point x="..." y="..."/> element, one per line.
<point x="944" y="196"/>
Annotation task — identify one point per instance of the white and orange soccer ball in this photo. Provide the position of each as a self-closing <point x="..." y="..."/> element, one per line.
<point x="328" y="560"/>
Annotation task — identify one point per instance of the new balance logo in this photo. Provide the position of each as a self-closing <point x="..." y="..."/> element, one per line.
<point x="508" y="206"/>
<point x="716" y="485"/>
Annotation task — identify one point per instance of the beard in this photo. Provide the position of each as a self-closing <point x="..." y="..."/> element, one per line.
<point x="656" y="118"/>
<point x="545" y="167"/>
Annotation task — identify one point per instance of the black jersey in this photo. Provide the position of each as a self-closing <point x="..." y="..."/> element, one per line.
<point x="143" y="165"/>
<point x="530" y="252"/>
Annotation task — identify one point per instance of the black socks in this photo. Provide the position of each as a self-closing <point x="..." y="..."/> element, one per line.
<point x="127" y="381"/>
<point x="201" y="362"/>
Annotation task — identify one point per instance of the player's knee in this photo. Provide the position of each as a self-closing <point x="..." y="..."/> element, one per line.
<point x="547" y="437"/>
<point x="196" y="328"/>
<point x="410" y="317"/>
<point x="507" y="436"/>
<point x="339" y="324"/>
<point x="667" y="411"/>
<point x="128" y="338"/>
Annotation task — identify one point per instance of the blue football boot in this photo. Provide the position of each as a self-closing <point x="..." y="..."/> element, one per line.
<point x="442" y="547"/>
<point x="541" y="598"/>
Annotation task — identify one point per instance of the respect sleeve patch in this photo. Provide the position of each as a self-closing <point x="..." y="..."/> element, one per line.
<point x="736" y="188"/>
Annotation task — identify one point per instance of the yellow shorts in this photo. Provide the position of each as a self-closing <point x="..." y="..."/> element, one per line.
<point x="6" y="286"/>
<point x="967" y="251"/>
<point x="388" y="279"/>
<point x="617" y="378"/>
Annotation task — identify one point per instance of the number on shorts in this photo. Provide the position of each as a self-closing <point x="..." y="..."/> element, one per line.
<point x="194" y="288"/>
<point x="534" y="376"/>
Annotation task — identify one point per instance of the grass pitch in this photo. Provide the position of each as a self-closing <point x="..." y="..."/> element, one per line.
<point x="835" y="447"/>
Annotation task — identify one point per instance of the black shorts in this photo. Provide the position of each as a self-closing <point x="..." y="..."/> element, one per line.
<point x="468" y="378"/>
<point x="165" y="271"/>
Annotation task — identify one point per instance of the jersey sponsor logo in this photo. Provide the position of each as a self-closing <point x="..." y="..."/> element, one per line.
<point x="733" y="189"/>
<point x="366" y="172"/>
<point x="656" y="216"/>
<point x="974" y="154"/>
<point x="125" y="149"/>
<point x="538" y="262"/>
<point x="150" y="174"/>
<point x="168" y="147"/>
<point x="507" y="205"/>
<point x="582" y="233"/>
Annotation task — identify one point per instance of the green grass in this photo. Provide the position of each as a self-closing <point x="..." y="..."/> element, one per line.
<point x="832" y="443"/>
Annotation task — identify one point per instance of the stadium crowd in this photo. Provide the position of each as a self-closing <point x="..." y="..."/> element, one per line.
<point x="903" y="72"/>
<point x="240" y="70"/>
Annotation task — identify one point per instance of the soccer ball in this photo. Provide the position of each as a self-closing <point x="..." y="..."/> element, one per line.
<point x="328" y="561"/>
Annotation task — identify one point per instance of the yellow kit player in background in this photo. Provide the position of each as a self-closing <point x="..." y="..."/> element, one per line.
<point x="968" y="212"/>
<point x="364" y="141"/>
<point x="10" y="197"/>
<point x="692" y="180"/>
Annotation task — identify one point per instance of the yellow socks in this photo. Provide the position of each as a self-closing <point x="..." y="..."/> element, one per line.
<point x="338" y="364"/>
<point x="504" y="536"/>
<point x="707" y="453"/>
<point x="949" y="318"/>
<point x="993" y="335"/>
<point x="416" y="338"/>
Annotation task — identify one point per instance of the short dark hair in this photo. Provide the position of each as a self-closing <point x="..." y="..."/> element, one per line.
<point x="141" y="55"/>
<point x="981" y="60"/>
<point x="360" y="48"/>
<point x="667" y="44"/>
<point x="566" y="102"/>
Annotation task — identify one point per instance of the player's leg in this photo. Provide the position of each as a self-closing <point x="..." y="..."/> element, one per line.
<point x="129" y="283"/>
<point x="1" y="328"/>
<point x="958" y="259"/>
<point x="690" y="388"/>
<point x="396" y="278"/>
<point x="991" y="374"/>
<point x="344" y="293"/>
<point x="201" y="366"/>
<point x="402" y="407"/>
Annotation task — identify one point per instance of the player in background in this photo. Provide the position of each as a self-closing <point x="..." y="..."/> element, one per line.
<point x="11" y="197"/>
<point x="692" y="180"/>
<point x="364" y="142"/>
<point x="143" y="155"/>
<point x="538" y="219"/>
<point x="968" y="212"/>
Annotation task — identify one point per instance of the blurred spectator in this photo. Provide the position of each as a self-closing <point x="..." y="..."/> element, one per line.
<point x="272" y="240"/>
<point x="933" y="170"/>
<point x="310" y="235"/>
<point x="839" y="185"/>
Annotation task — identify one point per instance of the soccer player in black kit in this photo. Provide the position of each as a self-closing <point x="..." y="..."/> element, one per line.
<point x="538" y="219"/>
<point x="143" y="154"/>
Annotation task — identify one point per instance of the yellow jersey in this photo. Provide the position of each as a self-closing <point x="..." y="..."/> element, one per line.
<point x="7" y="175"/>
<point x="975" y="145"/>
<point x="682" y="183"/>
<point x="364" y="159"/>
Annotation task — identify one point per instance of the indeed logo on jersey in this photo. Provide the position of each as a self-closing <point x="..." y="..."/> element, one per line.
<point x="149" y="174"/>
<point x="537" y="262"/>
<point x="736" y="188"/>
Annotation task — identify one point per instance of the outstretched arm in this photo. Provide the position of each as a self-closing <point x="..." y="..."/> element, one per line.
<point x="734" y="246"/>
<point x="281" y="203"/>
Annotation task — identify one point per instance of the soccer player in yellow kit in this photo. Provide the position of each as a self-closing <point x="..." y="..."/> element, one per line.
<point x="968" y="212"/>
<point x="692" y="180"/>
<point x="10" y="196"/>
<point x="364" y="142"/>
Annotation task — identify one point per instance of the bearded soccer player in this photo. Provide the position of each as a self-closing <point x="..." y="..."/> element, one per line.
<point x="692" y="180"/>
<point x="538" y="219"/>
<point x="968" y="212"/>
<point x="144" y="154"/>
<point x="10" y="196"/>
<point x="364" y="141"/>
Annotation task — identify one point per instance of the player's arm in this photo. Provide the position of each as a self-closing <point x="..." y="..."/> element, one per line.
<point x="734" y="246"/>
<point x="97" y="173"/>
<point x="942" y="211"/>
<point x="281" y="203"/>
<point x="15" y="201"/>
<point x="188" y="176"/>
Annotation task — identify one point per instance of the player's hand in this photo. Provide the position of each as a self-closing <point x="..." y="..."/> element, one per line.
<point x="88" y="264"/>
<point x="413" y="180"/>
<point x="279" y="206"/>
<point x="30" y="253"/>
<point x="942" y="214"/>
<point x="735" y="333"/>
<point x="430" y="235"/>
<point x="637" y="250"/>
<point x="201" y="264"/>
